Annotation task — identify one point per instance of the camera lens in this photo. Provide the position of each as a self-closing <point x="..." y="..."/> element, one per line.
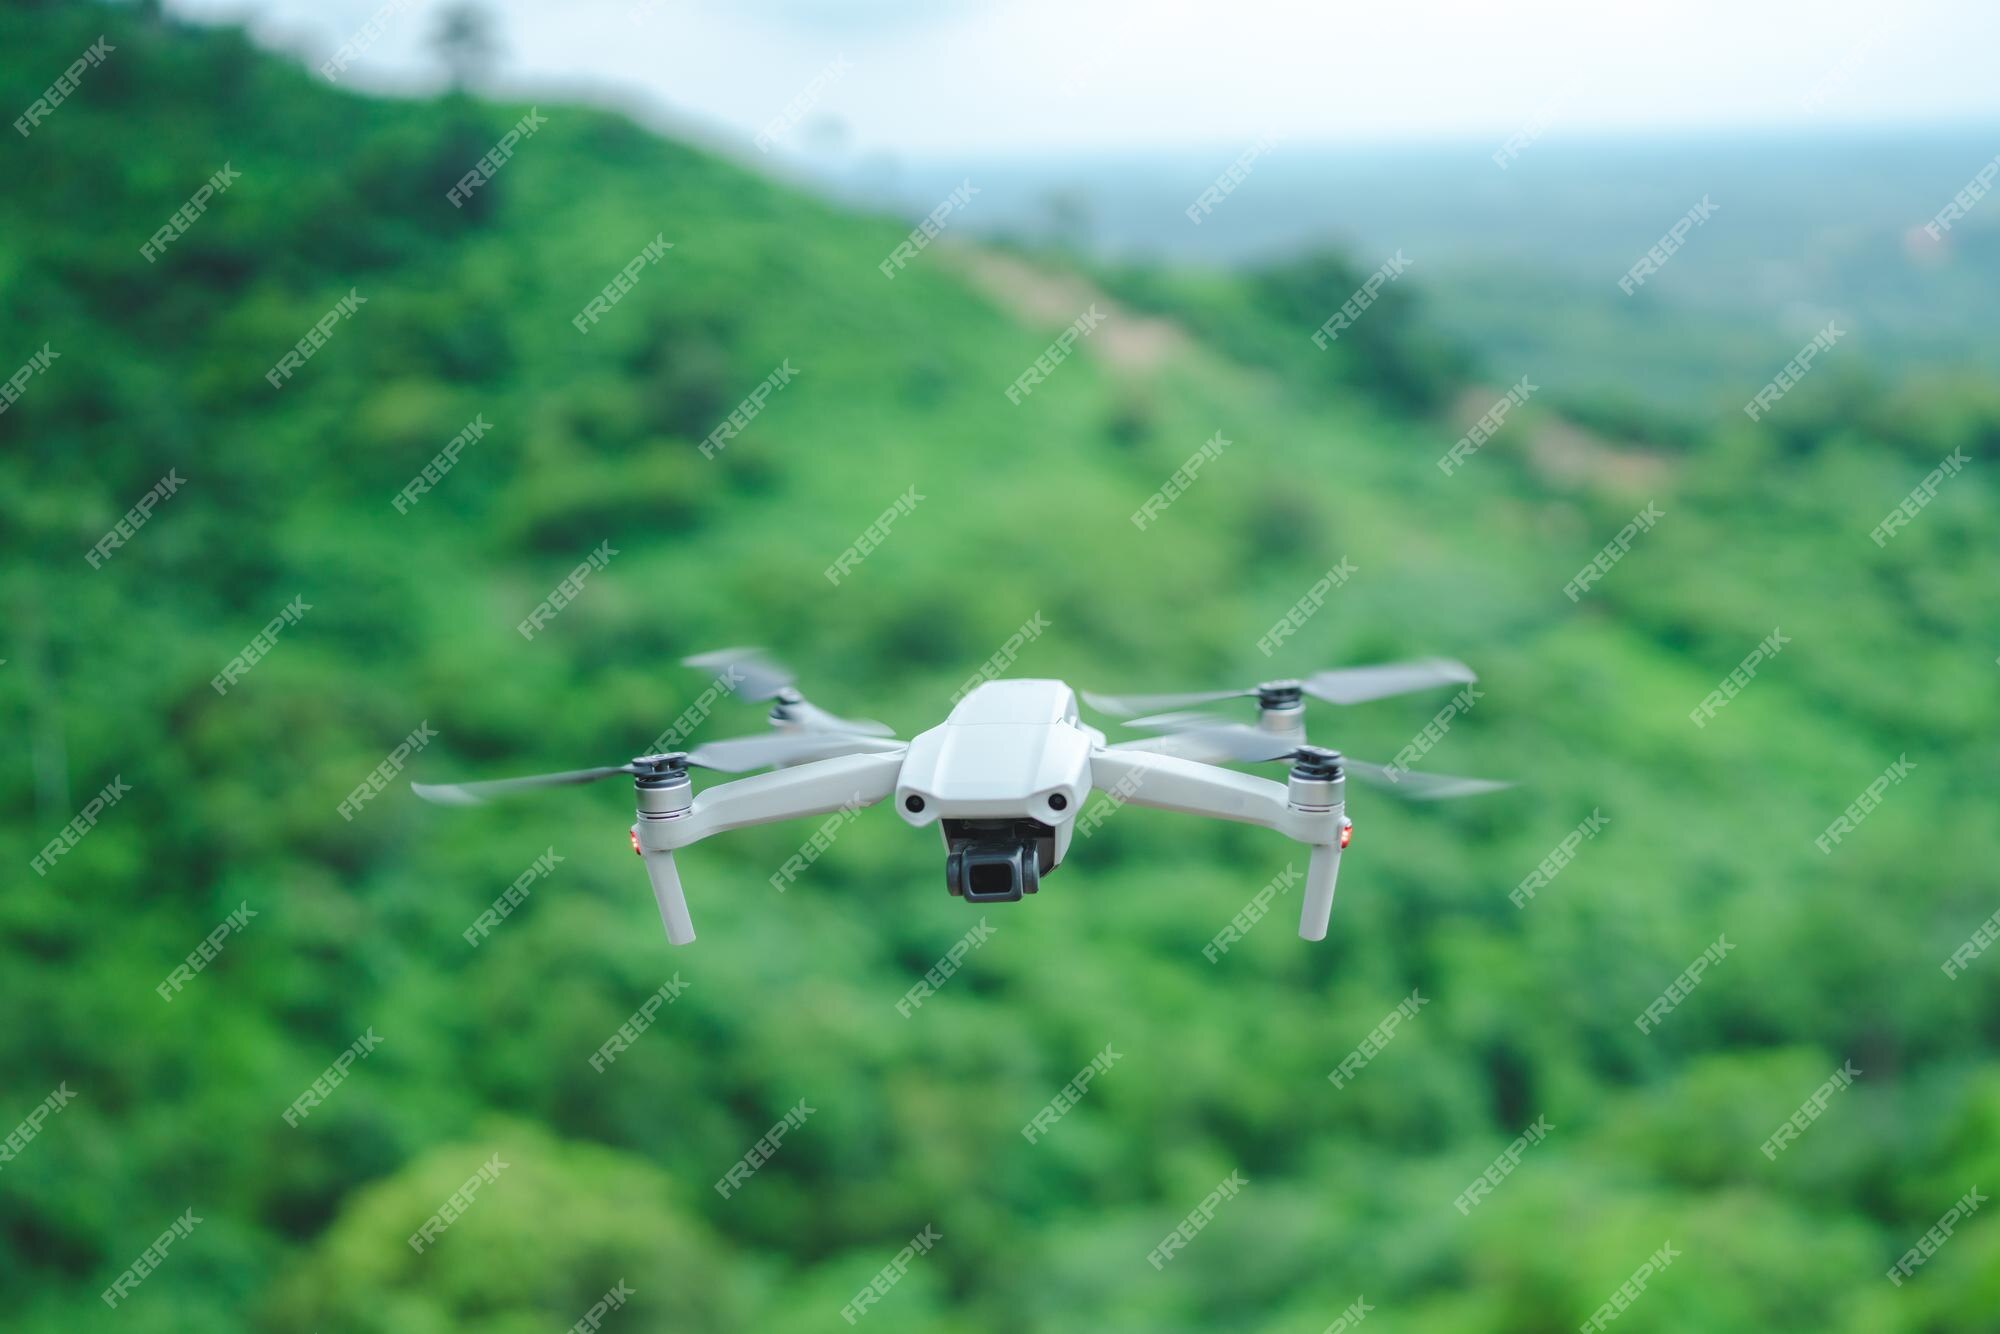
<point x="990" y="872"/>
<point x="1057" y="801"/>
<point x="991" y="879"/>
<point x="913" y="803"/>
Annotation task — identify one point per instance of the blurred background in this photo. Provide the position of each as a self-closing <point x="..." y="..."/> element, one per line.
<point x="254" y="280"/>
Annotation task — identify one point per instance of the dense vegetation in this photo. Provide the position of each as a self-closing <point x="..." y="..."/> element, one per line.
<point x="916" y="1121"/>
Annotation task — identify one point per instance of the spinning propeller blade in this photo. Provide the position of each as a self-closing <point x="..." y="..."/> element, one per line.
<point x="1353" y="685"/>
<point x="1216" y="741"/>
<point x="1124" y="706"/>
<point x="733" y="756"/>
<point x="1421" y="786"/>
<point x="1343" y="685"/>
<point x="739" y="754"/>
<point x="474" y="794"/>
<point x="756" y="675"/>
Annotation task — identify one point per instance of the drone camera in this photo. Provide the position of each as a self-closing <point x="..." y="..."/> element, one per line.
<point x="996" y="861"/>
<point x="991" y="874"/>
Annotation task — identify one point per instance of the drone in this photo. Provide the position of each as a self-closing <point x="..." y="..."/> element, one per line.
<point x="1005" y="775"/>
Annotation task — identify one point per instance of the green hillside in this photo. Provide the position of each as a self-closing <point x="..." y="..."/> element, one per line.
<point x="1525" y="263"/>
<point x="594" y="437"/>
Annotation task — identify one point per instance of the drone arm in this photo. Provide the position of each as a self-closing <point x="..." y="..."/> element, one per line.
<point x="844" y="782"/>
<point x="1171" y="783"/>
<point x="1167" y="782"/>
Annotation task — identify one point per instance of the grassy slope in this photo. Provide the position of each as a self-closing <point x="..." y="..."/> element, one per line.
<point x="792" y="996"/>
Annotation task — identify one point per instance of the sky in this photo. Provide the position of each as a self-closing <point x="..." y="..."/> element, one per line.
<point x="912" y="79"/>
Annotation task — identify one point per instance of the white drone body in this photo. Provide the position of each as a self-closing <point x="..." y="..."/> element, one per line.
<point x="1006" y="775"/>
<point x="1011" y="751"/>
<point x="1013" y="759"/>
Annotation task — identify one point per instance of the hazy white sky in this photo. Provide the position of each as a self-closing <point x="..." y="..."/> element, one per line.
<point x="1042" y="76"/>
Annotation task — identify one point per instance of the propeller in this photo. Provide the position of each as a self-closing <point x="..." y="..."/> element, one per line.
<point x="733" y="756"/>
<point x="1216" y="741"/>
<point x="1342" y="685"/>
<point x="759" y="676"/>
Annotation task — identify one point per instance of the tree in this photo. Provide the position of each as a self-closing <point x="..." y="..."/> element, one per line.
<point x="464" y="40"/>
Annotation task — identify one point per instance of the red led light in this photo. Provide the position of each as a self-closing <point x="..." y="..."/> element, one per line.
<point x="1346" y="832"/>
<point x="637" y="853"/>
